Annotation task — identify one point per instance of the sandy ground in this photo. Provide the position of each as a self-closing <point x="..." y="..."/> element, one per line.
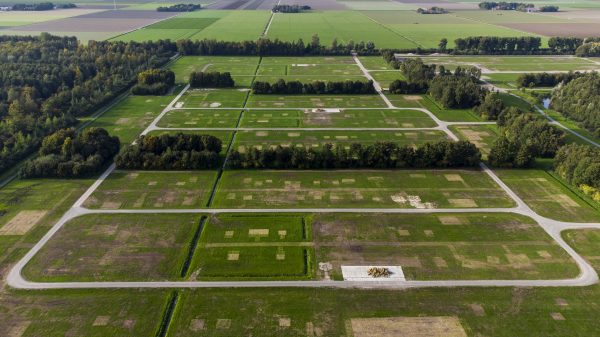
<point x="443" y="326"/>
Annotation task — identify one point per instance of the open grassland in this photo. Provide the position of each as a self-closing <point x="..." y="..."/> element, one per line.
<point x="384" y="118"/>
<point x="232" y="25"/>
<point x="363" y="188"/>
<point x="255" y="246"/>
<point x="315" y="101"/>
<point x="483" y="136"/>
<point x="241" y="68"/>
<point x="316" y="139"/>
<point x="200" y="118"/>
<point x="32" y="207"/>
<point x="384" y="78"/>
<point x="502" y="80"/>
<point x="213" y="98"/>
<point x="548" y="196"/>
<point x="153" y="189"/>
<point x="129" y="117"/>
<point x="111" y="247"/>
<point x="22" y="18"/>
<point x="344" y="25"/>
<point x="93" y="313"/>
<point x="442" y="246"/>
<point x="374" y="63"/>
<point x="514" y="63"/>
<point x="174" y="29"/>
<point x="326" y="312"/>
<point x="447" y="114"/>
<point x="585" y="242"/>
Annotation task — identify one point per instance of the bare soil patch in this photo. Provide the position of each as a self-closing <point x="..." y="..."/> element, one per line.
<point x="442" y="326"/>
<point x="22" y="222"/>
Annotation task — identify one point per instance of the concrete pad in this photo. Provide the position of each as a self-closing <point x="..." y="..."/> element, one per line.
<point x="361" y="273"/>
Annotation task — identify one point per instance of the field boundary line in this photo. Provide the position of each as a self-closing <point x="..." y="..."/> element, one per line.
<point x="392" y="31"/>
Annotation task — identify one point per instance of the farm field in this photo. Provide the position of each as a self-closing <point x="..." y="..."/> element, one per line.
<point x="153" y="189"/>
<point x="241" y="68"/>
<point x="317" y="101"/>
<point x="514" y="63"/>
<point x="548" y="196"/>
<point x="350" y="118"/>
<point x="370" y="188"/>
<point x="298" y="138"/>
<point x="213" y="98"/>
<point x="245" y="252"/>
<point x="110" y="247"/>
<point x="443" y="246"/>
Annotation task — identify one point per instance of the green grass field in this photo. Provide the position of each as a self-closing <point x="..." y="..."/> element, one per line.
<point x="366" y="188"/>
<point x="442" y="246"/>
<point x="242" y="69"/>
<point x="129" y="117"/>
<point x="213" y="98"/>
<point x="316" y="101"/>
<point x="153" y="189"/>
<point x="548" y="196"/>
<point x="200" y="118"/>
<point x="515" y="63"/>
<point x="384" y="118"/>
<point x="109" y="247"/>
<point x="298" y="138"/>
<point x="447" y="114"/>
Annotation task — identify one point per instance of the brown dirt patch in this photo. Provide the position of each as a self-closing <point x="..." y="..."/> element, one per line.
<point x="440" y="262"/>
<point x="22" y="222"/>
<point x="197" y="324"/>
<point x="561" y="302"/>
<point x="450" y="220"/>
<point x="19" y="329"/>
<point x="442" y="326"/>
<point x="565" y="200"/>
<point x="557" y="29"/>
<point x="413" y="98"/>
<point x="462" y="202"/>
<point x="477" y="309"/>
<point x="223" y="323"/>
<point x="110" y="205"/>
<point x="285" y="322"/>
<point x="557" y="316"/>
<point x="101" y="321"/>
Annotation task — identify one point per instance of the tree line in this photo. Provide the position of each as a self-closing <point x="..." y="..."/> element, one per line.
<point x="42" y="6"/>
<point x="179" y="8"/>
<point x="281" y="87"/>
<point x="154" y="82"/>
<point x="494" y="45"/>
<point x="505" y="6"/>
<point x="290" y="8"/>
<point x="580" y="166"/>
<point x="532" y="80"/>
<point x="212" y="79"/>
<point x="46" y="82"/>
<point x="588" y="49"/>
<point x="171" y="152"/>
<point x="432" y="10"/>
<point x="268" y="47"/>
<point x="579" y="100"/>
<point x="66" y="154"/>
<point x="382" y="155"/>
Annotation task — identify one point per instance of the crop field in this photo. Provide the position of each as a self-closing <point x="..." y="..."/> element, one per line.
<point x="299" y="138"/>
<point x="316" y="101"/>
<point x="254" y="246"/>
<point x="354" y="118"/>
<point x="483" y="136"/>
<point x="242" y="69"/>
<point x="213" y="98"/>
<point x="376" y="189"/>
<point x="129" y="117"/>
<point x="447" y="114"/>
<point x="515" y="63"/>
<point x="443" y="246"/>
<point x="384" y="78"/>
<point x="344" y="26"/>
<point x="548" y="196"/>
<point x="153" y="189"/>
<point x="374" y="63"/>
<point x="104" y="247"/>
<point x="232" y="25"/>
<point x="221" y="118"/>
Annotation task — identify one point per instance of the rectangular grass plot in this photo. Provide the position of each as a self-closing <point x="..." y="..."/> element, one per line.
<point x="153" y="189"/>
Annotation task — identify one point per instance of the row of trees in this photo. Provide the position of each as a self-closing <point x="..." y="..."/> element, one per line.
<point x="66" y="154"/>
<point x="588" y="49"/>
<point x="494" y="45"/>
<point x="546" y="79"/>
<point x="524" y="137"/>
<point x="171" y="152"/>
<point x="179" y="8"/>
<point x="213" y="79"/>
<point x="580" y="100"/>
<point x="505" y="6"/>
<point x="154" y="82"/>
<point x="457" y="92"/>
<point x="281" y="87"/>
<point x="42" y="6"/>
<point x="442" y="154"/>
<point x="290" y="8"/>
<point x="580" y="166"/>
<point x="48" y="81"/>
<point x="432" y="10"/>
<point x="267" y="47"/>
